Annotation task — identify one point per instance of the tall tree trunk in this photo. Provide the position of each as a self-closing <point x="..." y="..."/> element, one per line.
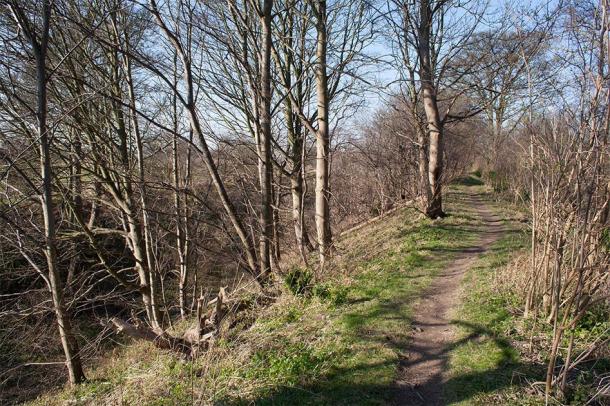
<point x="186" y="245"/>
<point x="434" y="122"/>
<point x="68" y="341"/>
<point x="180" y="238"/>
<point x="265" y="167"/>
<point x="296" y="140"/>
<point x="76" y="195"/>
<point x="296" y="155"/>
<point x="180" y="233"/>
<point x="146" y="234"/>
<point x="322" y="139"/>
<point x="124" y="196"/>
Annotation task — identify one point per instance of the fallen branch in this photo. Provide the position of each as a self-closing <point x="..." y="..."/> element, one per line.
<point x="206" y="328"/>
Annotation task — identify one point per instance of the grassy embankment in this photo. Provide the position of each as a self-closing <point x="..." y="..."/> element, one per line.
<point x="337" y="343"/>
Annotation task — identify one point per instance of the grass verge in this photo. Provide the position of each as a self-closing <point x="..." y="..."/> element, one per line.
<point x="485" y="366"/>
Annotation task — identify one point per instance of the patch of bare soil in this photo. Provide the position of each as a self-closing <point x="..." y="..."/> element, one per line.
<point x="421" y="370"/>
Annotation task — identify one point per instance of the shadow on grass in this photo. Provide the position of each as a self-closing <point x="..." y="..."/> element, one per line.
<point x="500" y="375"/>
<point x="359" y="378"/>
<point x="356" y="383"/>
<point x="338" y="387"/>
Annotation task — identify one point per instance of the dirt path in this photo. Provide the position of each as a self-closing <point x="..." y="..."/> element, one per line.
<point x="421" y="369"/>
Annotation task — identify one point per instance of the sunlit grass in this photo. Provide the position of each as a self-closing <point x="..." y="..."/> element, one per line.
<point x="337" y="344"/>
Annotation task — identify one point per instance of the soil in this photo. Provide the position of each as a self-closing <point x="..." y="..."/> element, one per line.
<point x="421" y="372"/>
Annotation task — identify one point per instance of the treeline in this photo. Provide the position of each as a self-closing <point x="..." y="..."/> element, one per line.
<point x="155" y="151"/>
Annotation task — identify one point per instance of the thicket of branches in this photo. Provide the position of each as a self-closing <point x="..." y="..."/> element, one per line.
<point x="559" y="150"/>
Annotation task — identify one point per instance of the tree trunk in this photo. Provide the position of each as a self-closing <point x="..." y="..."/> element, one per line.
<point x="298" y="217"/>
<point x="189" y="104"/>
<point x="435" y="124"/>
<point x="76" y="196"/>
<point x="277" y="202"/>
<point x="181" y="245"/>
<point x="265" y="167"/>
<point x="124" y="196"/>
<point x="296" y="155"/>
<point x="296" y="138"/>
<point x="322" y="140"/>
<point x="145" y="234"/>
<point x="424" y="183"/>
<point x="68" y="341"/>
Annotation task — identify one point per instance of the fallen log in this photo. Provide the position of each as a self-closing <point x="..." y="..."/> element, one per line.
<point x="206" y="327"/>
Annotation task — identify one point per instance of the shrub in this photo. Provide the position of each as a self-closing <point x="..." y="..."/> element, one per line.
<point x="331" y="293"/>
<point x="298" y="280"/>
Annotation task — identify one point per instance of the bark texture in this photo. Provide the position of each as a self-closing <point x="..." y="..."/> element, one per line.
<point x="434" y="208"/>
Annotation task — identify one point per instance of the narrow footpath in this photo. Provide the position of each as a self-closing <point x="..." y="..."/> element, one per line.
<point x="421" y="372"/>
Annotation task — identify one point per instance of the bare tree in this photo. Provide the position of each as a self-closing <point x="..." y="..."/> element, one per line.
<point x="427" y="37"/>
<point x="291" y="57"/>
<point x="34" y="26"/>
<point x="341" y="33"/>
<point x="188" y="103"/>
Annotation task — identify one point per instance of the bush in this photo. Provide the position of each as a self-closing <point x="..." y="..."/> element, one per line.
<point x="334" y="294"/>
<point x="299" y="280"/>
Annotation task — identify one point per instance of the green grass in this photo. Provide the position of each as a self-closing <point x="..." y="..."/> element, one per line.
<point x="335" y="338"/>
<point x="492" y="361"/>
<point x="337" y="341"/>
